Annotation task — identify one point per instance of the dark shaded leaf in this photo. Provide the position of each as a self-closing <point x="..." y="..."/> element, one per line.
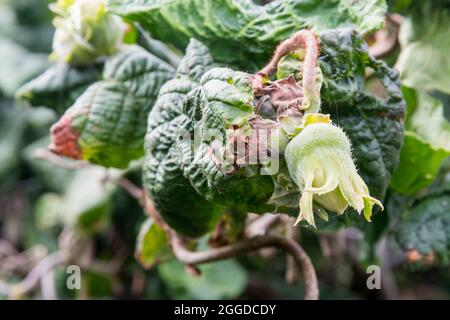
<point x="59" y="86"/>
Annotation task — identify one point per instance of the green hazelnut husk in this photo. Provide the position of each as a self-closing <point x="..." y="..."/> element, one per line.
<point x="319" y="161"/>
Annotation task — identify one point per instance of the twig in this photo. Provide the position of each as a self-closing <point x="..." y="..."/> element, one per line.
<point x="48" y="286"/>
<point x="261" y="225"/>
<point x="110" y="267"/>
<point x="292" y="271"/>
<point x="131" y="188"/>
<point x="138" y="282"/>
<point x="248" y="245"/>
<point x="151" y="210"/>
<point x="32" y="279"/>
<point x="191" y="258"/>
<point x="22" y="260"/>
<point x="388" y="282"/>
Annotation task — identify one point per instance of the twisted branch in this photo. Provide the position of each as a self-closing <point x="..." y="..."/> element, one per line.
<point x="33" y="278"/>
<point x="261" y="225"/>
<point x="248" y="245"/>
<point x="191" y="258"/>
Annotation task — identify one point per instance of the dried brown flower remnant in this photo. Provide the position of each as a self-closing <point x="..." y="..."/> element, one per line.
<point x="256" y="144"/>
<point x="310" y="97"/>
<point x="65" y="139"/>
<point x="284" y="93"/>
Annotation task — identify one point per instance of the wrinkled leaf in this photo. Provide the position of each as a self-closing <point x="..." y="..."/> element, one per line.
<point x="425" y="227"/>
<point x="240" y="30"/>
<point x="222" y="100"/>
<point x="178" y="202"/>
<point x="107" y="123"/>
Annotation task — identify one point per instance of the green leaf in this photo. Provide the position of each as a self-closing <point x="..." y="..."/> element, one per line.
<point x="107" y="123"/>
<point x="178" y="202"/>
<point x="98" y="285"/>
<point x="219" y="280"/>
<point x="152" y="245"/>
<point x="18" y="65"/>
<point x="425" y="227"/>
<point x="240" y="30"/>
<point x="426" y="118"/>
<point x="59" y="86"/>
<point x="423" y="61"/>
<point x="427" y="143"/>
<point x="419" y="164"/>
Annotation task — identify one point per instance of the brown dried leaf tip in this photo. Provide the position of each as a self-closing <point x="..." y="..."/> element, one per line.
<point x="413" y="256"/>
<point x="65" y="139"/>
